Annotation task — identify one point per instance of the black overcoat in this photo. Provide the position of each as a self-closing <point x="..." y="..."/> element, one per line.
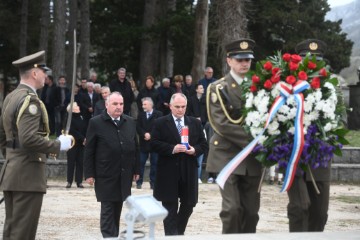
<point x="173" y="167"/>
<point x="111" y="156"/>
<point x="145" y="125"/>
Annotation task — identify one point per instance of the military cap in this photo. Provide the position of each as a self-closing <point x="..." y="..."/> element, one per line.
<point x="36" y="60"/>
<point x="240" y="49"/>
<point x="313" y="46"/>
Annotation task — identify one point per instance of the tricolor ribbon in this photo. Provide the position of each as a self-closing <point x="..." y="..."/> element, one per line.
<point x="285" y="92"/>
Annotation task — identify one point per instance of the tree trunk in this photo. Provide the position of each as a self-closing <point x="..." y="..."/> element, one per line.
<point x="200" y="39"/>
<point x="73" y="7"/>
<point x="44" y="23"/>
<point x="169" y="48"/>
<point x="23" y="27"/>
<point x="232" y="24"/>
<point x="58" y="56"/>
<point x="84" y="62"/>
<point x="166" y="52"/>
<point x="149" y="45"/>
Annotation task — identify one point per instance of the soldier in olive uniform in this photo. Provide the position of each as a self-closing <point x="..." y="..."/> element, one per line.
<point x="24" y="142"/>
<point x="307" y="210"/>
<point x="240" y="198"/>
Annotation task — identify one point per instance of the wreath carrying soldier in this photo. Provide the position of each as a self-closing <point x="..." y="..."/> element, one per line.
<point x="240" y="197"/>
<point x="24" y="142"/>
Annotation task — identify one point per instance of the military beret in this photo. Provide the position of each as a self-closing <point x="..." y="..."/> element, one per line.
<point x="36" y="60"/>
<point x="313" y="46"/>
<point x="240" y="49"/>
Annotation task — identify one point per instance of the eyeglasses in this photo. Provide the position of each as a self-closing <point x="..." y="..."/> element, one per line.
<point x="178" y="107"/>
<point x="243" y="60"/>
<point x="209" y="72"/>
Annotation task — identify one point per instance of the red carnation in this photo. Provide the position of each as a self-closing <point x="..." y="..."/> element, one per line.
<point x="268" y="66"/>
<point x="323" y="72"/>
<point x="253" y="88"/>
<point x="286" y="57"/>
<point x="275" y="78"/>
<point x="293" y="66"/>
<point x="290" y="79"/>
<point x="302" y="75"/>
<point x="275" y="70"/>
<point x="255" y="79"/>
<point x="315" y="83"/>
<point x="296" y="58"/>
<point x="268" y="84"/>
<point x="311" y="65"/>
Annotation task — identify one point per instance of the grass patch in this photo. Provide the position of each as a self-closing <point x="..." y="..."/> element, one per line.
<point x="354" y="138"/>
<point x="348" y="199"/>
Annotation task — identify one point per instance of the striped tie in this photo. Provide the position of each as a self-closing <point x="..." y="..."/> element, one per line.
<point x="179" y="127"/>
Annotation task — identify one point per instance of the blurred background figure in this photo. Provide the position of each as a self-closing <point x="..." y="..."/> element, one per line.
<point x="144" y="126"/>
<point x="76" y="154"/>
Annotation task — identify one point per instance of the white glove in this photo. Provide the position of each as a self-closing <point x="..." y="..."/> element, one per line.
<point x="65" y="142"/>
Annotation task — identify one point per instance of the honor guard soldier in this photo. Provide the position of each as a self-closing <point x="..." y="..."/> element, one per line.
<point x="240" y="198"/>
<point x="307" y="209"/>
<point x="24" y="131"/>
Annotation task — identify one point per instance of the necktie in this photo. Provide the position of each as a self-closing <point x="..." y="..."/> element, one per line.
<point x="179" y="127"/>
<point x="148" y="115"/>
<point x="116" y="122"/>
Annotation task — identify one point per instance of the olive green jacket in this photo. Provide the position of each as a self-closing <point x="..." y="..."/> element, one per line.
<point x="24" y="141"/>
<point x="224" y="112"/>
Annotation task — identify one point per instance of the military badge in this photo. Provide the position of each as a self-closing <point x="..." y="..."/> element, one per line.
<point x="313" y="46"/>
<point x="244" y="45"/>
<point x="233" y="85"/>
<point x="214" y="97"/>
<point x="33" y="109"/>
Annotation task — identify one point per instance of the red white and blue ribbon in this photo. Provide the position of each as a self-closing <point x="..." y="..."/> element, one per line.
<point x="285" y="92"/>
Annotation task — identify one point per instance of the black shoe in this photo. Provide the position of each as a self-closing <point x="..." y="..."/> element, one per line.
<point x="151" y="186"/>
<point x="271" y="182"/>
<point x="68" y="185"/>
<point x="138" y="186"/>
<point x="80" y="185"/>
<point x="280" y="183"/>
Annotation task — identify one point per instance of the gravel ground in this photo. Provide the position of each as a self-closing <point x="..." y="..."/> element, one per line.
<point x="74" y="213"/>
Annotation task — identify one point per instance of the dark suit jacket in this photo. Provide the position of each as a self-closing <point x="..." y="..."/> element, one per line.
<point x="197" y="108"/>
<point x="126" y="91"/>
<point x="173" y="167"/>
<point x="57" y="98"/>
<point x="145" y="125"/>
<point x="85" y="103"/>
<point x="111" y="156"/>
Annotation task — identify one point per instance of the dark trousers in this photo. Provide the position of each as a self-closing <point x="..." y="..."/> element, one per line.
<point x="75" y="162"/>
<point x="110" y="219"/>
<point x="60" y="119"/>
<point x="307" y="210"/>
<point x="176" y="221"/>
<point x="240" y="204"/>
<point x="22" y="211"/>
<point x="153" y="162"/>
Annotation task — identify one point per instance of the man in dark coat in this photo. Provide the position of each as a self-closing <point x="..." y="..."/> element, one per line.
<point x="111" y="161"/>
<point x="123" y="86"/>
<point x="47" y="96"/>
<point x="176" y="175"/>
<point x="144" y="125"/>
<point x="62" y="99"/>
<point x="88" y="101"/>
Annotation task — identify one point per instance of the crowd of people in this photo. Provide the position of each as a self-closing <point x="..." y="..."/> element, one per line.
<point x="117" y="128"/>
